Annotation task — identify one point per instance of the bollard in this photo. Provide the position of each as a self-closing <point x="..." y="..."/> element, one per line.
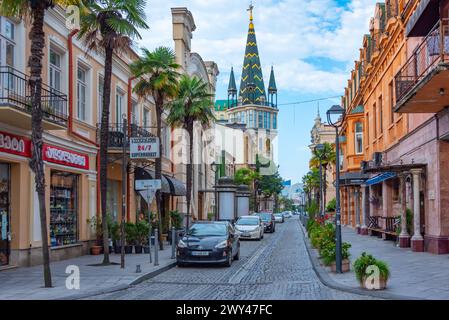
<point x="156" y="247"/>
<point x="138" y="270"/>
<point x="173" y="242"/>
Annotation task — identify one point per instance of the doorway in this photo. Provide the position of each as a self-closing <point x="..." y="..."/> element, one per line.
<point x="4" y="214"/>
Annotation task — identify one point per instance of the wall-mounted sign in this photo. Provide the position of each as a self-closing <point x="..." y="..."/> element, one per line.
<point x="148" y="185"/>
<point x="65" y="157"/>
<point x="144" y="148"/>
<point x="10" y="143"/>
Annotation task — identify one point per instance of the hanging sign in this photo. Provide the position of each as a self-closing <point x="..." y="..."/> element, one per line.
<point x="148" y="195"/>
<point x="65" y="157"/>
<point x="148" y="184"/>
<point x="10" y="143"/>
<point x="144" y="148"/>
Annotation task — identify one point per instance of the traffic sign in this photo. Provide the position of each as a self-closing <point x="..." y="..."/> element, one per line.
<point x="144" y="148"/>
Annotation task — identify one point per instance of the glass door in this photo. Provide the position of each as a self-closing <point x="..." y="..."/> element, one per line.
<point x="4" y="214"/>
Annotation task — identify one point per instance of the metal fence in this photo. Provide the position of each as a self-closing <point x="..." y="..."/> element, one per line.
<point x="433" y="49"/>
<point x="15" y="92"/>
<point x="116" y="136"/>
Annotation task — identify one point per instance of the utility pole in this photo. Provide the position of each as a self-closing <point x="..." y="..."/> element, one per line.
<point x="124" y="184"/>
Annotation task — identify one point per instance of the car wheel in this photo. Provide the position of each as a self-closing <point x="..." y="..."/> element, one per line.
<point x="228" y="262"/>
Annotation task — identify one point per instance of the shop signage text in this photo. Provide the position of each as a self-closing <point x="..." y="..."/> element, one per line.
<point x="144" y="148"/>
<point x="65" y="157"/>
<point x="10" y="143"/>
<point x="148" y="185"/>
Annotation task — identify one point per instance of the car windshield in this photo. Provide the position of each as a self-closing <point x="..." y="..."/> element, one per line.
<point x="278" y="215"/>
<point x="265" y="216"/>
<point x="208" y="230"/>
<point x="248" y="222"/>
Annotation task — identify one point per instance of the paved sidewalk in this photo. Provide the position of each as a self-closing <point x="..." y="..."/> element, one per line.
<point x="27" y="283"/>
<point x="413" y="275"/>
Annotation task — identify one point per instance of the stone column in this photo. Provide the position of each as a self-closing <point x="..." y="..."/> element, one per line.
<point x="357" y="208"/>
<point x="365" y="210"/>
<point x="404" y="237"/>
<point x="417" y="239"/>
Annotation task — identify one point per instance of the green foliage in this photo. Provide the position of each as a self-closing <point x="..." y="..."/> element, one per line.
<point x="322" y="235"/>
<point x="289" y="204"/>
<point x="270" y="184"/>
<point x="409" y="217"/>
<point x="176" y="219"/>
<point x="366" y="260"/>
<point x="327" y="155"/>
<point x="142" y="230"/>
<point x="210" y="216"/>
<point x="96" y="223"/>
<point x="130" y="233"/>
<point x="332" y="205"/>
<point x="115" y="231"/>
<point x="311" y="224"/>
<point x="245" y="176"/>
<point x="328" y="252"/>
<point x="312" y="209"/>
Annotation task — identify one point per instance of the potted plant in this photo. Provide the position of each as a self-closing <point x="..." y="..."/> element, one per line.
<point x="142" y="229"/>
<point x="371" y="273"/>
<point x="130" y="237"/>
<point x="115" y="235"/>
<point x="329" y="254"/>
<point x="95" y="224"/>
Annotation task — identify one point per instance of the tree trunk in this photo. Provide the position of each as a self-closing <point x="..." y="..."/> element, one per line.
<point x="189" y="167"/>
<point x="104" y="141"/>
<point x="158" y="171"/>
<point x="37" y="37"/>
<point x="324" y="186"/>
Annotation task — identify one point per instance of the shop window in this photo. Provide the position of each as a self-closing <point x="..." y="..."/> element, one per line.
<point x="63" y="208"/>
<point x="55" y="73"/>
<point x="135" y="113"/>
<point x="4" y="213"/>
<point x="119" y="105"/>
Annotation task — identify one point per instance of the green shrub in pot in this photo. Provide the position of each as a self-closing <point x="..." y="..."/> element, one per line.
<point x="365" y="268"/>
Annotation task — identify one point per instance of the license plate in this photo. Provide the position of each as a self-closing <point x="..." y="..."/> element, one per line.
<point x="246" y="234"/>
<point x="200" y="253"/>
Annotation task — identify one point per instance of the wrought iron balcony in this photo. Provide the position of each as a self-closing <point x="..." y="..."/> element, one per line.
<point x="15" y="101"/>
<point x="421" y="83"/>
<point x="116" y="136"/>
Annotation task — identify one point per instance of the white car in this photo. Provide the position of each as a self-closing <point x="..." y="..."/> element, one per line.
<point x="249" y="227"/>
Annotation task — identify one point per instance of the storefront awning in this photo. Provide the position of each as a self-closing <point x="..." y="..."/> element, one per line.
<point x="170" y="185"/>
<point x="380" y="178"/>
<point x="353" y="178"/>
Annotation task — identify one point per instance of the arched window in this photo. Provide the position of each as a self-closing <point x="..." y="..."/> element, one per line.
<point x="358" y="138"/>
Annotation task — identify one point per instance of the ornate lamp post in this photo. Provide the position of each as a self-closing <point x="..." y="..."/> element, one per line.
<point x="215" y="168"/>
<point x="335" y="117"/>
<point x="319" y="152"/>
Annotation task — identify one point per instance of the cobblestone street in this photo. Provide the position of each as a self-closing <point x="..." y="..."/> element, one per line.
<point x="276" y="268"/>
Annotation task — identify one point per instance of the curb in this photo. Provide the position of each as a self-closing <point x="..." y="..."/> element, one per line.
<point x="324" y="277"/>
<point x="122" y="287"/>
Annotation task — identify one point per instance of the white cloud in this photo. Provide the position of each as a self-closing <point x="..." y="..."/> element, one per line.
<point x="289" y="33"/>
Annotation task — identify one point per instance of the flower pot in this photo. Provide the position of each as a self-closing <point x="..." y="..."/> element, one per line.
<point x="146" y="249"/>
<point x="128" y="249"/>
<point x="95" y="250"/>
<point x="345" y="266"/>
<point x="138" y="249"/>
<point x="371" y="286"/>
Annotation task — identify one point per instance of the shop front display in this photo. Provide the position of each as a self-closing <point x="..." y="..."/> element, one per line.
<point x="4" y="214"/>
<point x="63" y="209"/>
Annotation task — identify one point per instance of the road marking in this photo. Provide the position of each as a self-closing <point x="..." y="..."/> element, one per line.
<point x="244" y="270"/>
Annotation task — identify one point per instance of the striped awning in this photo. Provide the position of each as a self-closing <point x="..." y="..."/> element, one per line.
<point x="170" y="185"/>
<point x="380" y="178"/>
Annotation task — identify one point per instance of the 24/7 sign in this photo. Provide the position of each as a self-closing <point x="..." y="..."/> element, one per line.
<point x="144" y="148"/>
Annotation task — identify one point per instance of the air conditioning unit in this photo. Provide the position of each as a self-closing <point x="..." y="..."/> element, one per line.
<point x="377" y="159"/>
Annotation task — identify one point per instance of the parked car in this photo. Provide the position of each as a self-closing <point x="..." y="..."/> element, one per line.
<point x="268" y="220"/>
<point x="209" y="242"/>
<point x="250" y="227"/>
<point x="279" y="217"/>
<point x="287" y="214"/>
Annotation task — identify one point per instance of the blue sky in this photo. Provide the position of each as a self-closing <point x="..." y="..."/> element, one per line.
<point x="311" y="43"/>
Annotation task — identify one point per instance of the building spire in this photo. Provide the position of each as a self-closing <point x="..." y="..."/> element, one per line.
<point x="272" y="85"/>
<point x="232" y="88"/>
<point x="252" y="71"/>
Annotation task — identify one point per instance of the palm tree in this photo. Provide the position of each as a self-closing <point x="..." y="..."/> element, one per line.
<point x="193" y="104"/>
<point x="328" y="157"/>
<point x="35" y="11"/>
<point x="108" y="27"/>
<point x="158" y="78"/>
<point x="311" y="182"/>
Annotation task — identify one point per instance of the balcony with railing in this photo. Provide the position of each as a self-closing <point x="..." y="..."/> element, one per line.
<point x="116" y="137"/>
<point x="422" y="84"/>
<point x="15" y="102"/>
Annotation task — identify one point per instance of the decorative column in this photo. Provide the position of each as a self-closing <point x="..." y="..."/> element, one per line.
<point x="417" y="239"/>
<point x="404" y="237"/>
<point x="357" y="209"/>
<point x="243" y="195"/>
<point x="365" y="210"/>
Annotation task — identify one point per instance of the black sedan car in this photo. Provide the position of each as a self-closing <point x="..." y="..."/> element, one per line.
<point x="209" y="242"/>
<point x="269" y="221"/>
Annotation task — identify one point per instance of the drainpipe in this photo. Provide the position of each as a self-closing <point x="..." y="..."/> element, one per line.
<point x="70" y="118"/>
<point x="128" y="195"/>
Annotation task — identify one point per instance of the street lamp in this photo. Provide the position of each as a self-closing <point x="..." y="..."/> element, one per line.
<point x="319" y="148"/>
<point x="335" y="117"/>
<point x="215" y="167"/>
